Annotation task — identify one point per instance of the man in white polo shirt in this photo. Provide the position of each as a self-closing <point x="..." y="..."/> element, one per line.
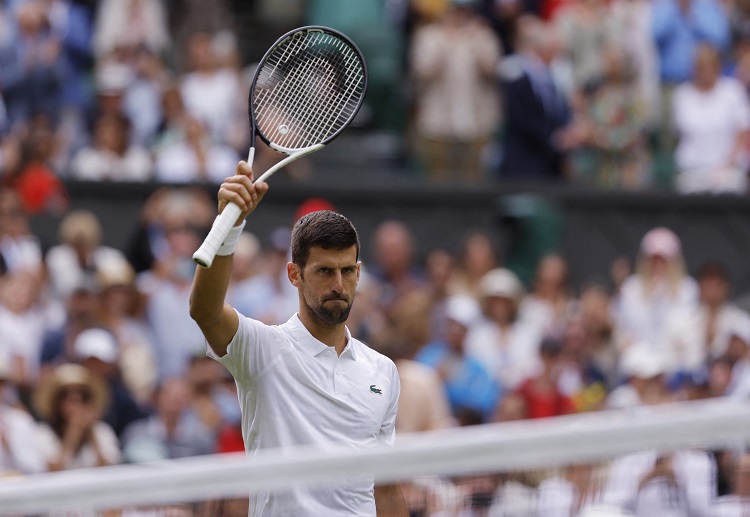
<point x="306" y="381"/>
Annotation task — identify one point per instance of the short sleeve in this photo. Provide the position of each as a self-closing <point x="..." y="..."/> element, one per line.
<point x="253" y="349"/>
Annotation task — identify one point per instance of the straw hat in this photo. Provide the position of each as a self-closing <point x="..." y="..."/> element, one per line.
<point x="66" y="376"/>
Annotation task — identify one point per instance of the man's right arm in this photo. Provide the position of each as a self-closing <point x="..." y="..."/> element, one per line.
<point x="218" y="320"/>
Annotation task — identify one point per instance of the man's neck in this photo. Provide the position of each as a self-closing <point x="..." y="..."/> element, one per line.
<point x="331" y="335"/>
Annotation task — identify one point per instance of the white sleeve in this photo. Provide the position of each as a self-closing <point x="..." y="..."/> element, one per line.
<point x="253" y="349"/>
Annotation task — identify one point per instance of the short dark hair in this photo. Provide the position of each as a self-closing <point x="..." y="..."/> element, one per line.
<point x="324" y="228"/>
<point x="714" y="270"/>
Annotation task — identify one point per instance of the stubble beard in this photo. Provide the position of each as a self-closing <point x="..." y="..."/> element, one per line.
<point x="328" y="316"/>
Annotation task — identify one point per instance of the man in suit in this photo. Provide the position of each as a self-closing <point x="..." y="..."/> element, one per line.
<point x="538" y="131"/>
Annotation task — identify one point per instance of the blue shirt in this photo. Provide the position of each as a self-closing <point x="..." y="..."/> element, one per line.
<point x="469" y="384"/>
<point x="677" y="34"/>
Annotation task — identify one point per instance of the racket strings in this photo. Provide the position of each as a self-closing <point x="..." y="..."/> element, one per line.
<point x="304" y="95"/>
<point x="304" y="107"/>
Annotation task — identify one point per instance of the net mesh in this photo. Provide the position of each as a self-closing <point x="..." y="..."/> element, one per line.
<point x="308" y="89"/>
<point x="671" y="461"/>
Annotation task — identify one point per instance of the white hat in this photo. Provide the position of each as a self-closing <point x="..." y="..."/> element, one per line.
<point x="661" y="241"/>
<point x="462" y="309"/>
<point x="501" y="282"/>
<point x="97" y="343"/>
<point x="640" y="360"/>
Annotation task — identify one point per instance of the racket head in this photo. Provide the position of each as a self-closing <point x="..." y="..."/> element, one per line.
<point x="307" y="88"/>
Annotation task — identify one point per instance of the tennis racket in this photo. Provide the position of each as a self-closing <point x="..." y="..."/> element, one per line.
<point x="307" y="88"/>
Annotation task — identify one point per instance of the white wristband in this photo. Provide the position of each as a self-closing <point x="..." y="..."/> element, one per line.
<point x="227" y="247"/>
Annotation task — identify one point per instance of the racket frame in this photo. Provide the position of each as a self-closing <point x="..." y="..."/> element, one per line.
<point x="222" y="225"/>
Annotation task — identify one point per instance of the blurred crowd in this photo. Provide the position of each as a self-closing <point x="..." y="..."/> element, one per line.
<point x="101" y="364"/>
<point x="621" y="94"/>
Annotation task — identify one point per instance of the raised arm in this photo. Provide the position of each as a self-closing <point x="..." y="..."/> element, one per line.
<point x="217" y="320"/>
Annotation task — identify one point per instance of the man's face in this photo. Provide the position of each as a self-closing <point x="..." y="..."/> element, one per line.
<point x="327" y="283"/>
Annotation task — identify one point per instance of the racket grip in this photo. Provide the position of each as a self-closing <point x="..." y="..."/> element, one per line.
<point x="222" y="225"/>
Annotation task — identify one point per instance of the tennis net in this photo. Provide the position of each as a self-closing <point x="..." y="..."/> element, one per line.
<point x="672" y="458"/>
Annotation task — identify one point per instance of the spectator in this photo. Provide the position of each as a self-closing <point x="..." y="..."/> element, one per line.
<point x="268" y="296"/>
<point x="177" y="233"/>
<point x="537" y="115"/>
<point x="71" y="402"/>
<point x="71" y="24"/>
<point x="679" y="26"/>
<point x="22" y="326"/>
<point x="586" y="27"/>
<point x="479" y="255"/>
<point x="31" y="68"/>
<point x="195" y="158"/>
<point x="121" y="311"/>
<point x="712" y="121"/>
<point x="701" y="334"/>
<point x="111" y="156"/>
<point x="124" y="25"/>
<point x="142" y="100"/>
<point x="738" y="356"/>
<point x="171" y="126"/>
<point x="633" y="36"/>
<point x="18" y="452"/>
<point x="248" y="265"/>
<point x="659" y="288"/>
<point x="80" y="254"/>
<point x="504" y="343"/>
<point x="644" y="371"/>
<point x="669" y="485"/>
<point x="35" y="179"/>
<point x="550" y="302"/>
<point x="99" y="352"/>
<point x="19" y="247"/>
<point x="614" y="152"/>
<point x="173" y="431"/>
<point x="210" y="93"/>
<point x="394" y="268"/>
<point x="576" y="490"/>
<point x="467" y="383"/>
<point x="595" y="315"/>
<point x="541" y="390"/>
<point x="453" y="63"/>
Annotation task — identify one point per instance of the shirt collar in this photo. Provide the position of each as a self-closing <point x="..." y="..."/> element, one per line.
<point x="314" y="347"/>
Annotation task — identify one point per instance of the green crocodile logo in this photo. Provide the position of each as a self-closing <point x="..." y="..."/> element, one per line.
<point x="375" y="390"/>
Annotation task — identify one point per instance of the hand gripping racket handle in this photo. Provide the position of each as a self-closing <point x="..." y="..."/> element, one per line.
<point x="223" y="224"/>
<point x="205" y="255"/>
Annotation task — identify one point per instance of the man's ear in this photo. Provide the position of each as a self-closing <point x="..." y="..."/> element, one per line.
<point x="294" y="274"/>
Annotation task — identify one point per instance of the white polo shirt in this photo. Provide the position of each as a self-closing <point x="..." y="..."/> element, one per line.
<point x="295" y="390"/>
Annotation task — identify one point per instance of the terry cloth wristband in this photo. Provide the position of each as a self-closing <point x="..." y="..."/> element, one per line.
<point x="227" y="247"/>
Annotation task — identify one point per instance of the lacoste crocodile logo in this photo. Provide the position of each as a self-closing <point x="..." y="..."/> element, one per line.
<point x="375" y="390"/>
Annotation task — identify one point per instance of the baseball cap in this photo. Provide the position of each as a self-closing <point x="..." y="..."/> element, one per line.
<point x="97" y="343"/>
<point x="639" y="360"/>
<point x="661" y="241"/>
<point x="462" y="309"/>
<point x="502" y="283"/>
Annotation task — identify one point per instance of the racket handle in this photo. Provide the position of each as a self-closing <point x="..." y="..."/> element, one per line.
<point x="222" y="225"/>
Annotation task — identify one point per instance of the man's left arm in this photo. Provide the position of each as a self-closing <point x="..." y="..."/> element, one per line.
<point x="389" y="501"/>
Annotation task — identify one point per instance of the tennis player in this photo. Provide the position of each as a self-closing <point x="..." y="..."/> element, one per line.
<point x="307" y="381"/>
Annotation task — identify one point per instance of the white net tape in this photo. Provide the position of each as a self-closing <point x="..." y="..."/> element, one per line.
<point x="471" y="450"/>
